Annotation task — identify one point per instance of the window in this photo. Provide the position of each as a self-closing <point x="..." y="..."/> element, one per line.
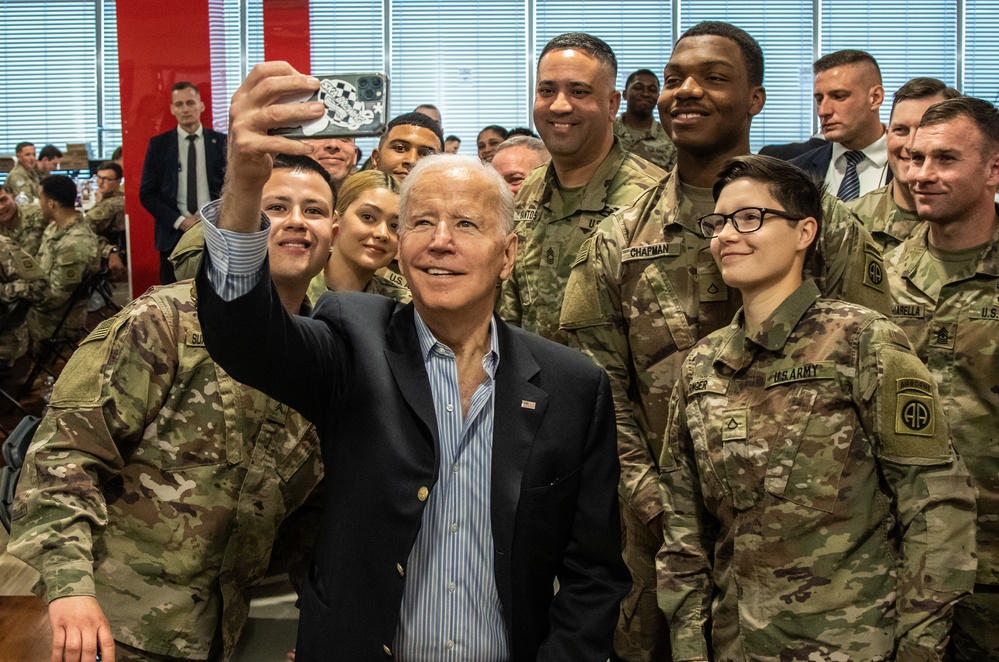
<point x="981" y="44"/>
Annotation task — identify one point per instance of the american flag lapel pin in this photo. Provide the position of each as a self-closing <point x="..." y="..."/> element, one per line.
<point x="528" y="404"/>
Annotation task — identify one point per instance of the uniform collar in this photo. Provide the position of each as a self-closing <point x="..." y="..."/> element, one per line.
<point x="912" y="252"/>
<point x="594" y="196"/>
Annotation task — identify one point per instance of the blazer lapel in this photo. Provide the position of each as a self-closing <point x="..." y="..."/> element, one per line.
<point x="405" y="359"/>
<point x="520" y="408"/>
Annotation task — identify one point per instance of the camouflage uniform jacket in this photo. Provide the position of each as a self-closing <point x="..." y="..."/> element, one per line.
<point x="67" y="256"/>
<point x="156" y="482"/>
<point x="22" y="180"/>
<point x="652" y="145"/>
<point x="954" y="328"/>
<point x="644" y="289"/>
<point x="888" y="223"/>
<point x="815" y="508"/>
<point x="21" y="279"/>
<point x="386" y="286"/>
<point x="186" y="255"/>
<point x="551" y="233"/>
<point x="107" y="219"/>
<point x="30" y="228"/>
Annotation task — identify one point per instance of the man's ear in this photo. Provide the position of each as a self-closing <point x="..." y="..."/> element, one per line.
<point x="807" y="229"/>
<point x="374" y="158"/>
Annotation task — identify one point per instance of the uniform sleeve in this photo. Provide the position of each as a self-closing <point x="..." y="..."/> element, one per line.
<point x="108" y="392"/>
<point x="23" y="278"/>
<point x="933" y="492"/>
<point x="100" y="216"/>
<point x="683" y="565"/>
<point x="18" y="183"/>
<point x="849" y="265"/>
<point x="593" y="316"/>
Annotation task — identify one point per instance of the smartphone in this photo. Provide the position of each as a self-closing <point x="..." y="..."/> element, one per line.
<point x="356" y="105"/>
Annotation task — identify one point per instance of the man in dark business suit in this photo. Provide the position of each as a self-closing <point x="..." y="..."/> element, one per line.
<point x="184" y="170"/>
<point x="468" y="464"/>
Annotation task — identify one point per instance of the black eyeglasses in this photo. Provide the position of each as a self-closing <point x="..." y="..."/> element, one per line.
<point x="745" y="220"/>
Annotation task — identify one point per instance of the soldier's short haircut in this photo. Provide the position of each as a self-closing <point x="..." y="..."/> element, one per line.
<point x="21" y="146"/>
<point x="587" y="43"/>
<point x="843" y="58"/>
<point x="301" y="163"/>
<point x="641" y="72"/>
<point x="414" y="119"/>
<point x="452" y="138"/>
<point x="116" y="154"/>
<point x="752" y="54"/>
<point x="923" y="88"/>
<point x="185" y="85"/>
<point x="49" y="152"/>
<point x="793" y="188"/>
<point x="981" y="113"/>
<point x="520" y="131"/>
<point x="111" y="165"/>
<point x="61" y="189"/>
<point x="504" y="209"/>
<point x="426" y="105"/>
<point x="531" y="143"/>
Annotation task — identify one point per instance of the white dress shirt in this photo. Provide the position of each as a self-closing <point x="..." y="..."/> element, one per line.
<point x="204" y="197"/>
<point x="872" y="171"/>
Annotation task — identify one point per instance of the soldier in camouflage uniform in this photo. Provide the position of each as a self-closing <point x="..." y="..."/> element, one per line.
<point x="644" y="289"/>
<point x="815" y="508"/>
<point x="167" y="509"/>
<point x="559" y="206"/>
<point x="21" y="280"/>
<point x="889" y="212"/>
<point x="22" y="224"/>
<point x="590" y="177"/>
<point x="637" y="129"/>
<point x="107" y="216"/>
<point x="945" y="282"/>
<point x="365" y="240"/>
<point x="23" y="178"/>
<point x="68" y="255"/>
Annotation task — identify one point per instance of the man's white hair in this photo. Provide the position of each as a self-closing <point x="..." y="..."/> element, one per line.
<point x="437" y="163"/>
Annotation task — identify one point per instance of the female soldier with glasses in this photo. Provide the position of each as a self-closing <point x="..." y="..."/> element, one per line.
<point x="814" y="505"/>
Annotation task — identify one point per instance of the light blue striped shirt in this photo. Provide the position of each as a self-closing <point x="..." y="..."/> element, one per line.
<point x="450" y="606"/>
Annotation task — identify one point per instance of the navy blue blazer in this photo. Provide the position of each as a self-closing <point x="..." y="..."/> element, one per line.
<point x="355" y="369"/>
<point x="158" y="190"/>
<point x="816" y="163"/>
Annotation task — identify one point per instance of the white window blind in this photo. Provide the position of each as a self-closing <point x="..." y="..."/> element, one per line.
<point x="48" y="73"/>
<point x="783" y="29"/>
<point x="467" y="57"/>
<point x="110" y="127"/>
<point x="228" y="37"/>
<point x="908" y="38"/>
<point x="981" y="50"/>
<point x="639" y="31"/>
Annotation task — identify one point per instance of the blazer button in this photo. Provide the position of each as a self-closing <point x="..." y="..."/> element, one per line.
<point x="398" y="568"/>
<point x="388" y="651"/>
<point x="423" y="493"/>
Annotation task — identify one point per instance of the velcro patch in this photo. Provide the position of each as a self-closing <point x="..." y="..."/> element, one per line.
<point x="550" y="253"/>
<point x="988" y="313"/>
<point x="909" y="411"/>
<point x="914" y="407"/>
<point x="712" y="287"/>
<point x="801" y="372"/>
<point x="195" y="339"/>
<point x="701" y="385"/>
<point x="735" y="424"/>
<point x="27" y="268"/>
<point x="874" y="272"/>
<point x="913" y="310"/>
<point x="650" y="251"/>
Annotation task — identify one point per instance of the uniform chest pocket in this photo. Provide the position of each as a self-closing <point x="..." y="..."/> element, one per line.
<point x="658" y="301"/>
<point x="809" y="456"/>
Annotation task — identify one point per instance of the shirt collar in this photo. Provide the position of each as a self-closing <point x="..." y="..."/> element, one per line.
<point x="429" y="344"/>
<point x="876" y="152"/>
<point x="200" y="133"/>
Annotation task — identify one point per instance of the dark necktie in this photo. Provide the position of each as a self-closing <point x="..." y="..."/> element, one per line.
<point x="192" y="175"/>
<point x="849" y="189"/>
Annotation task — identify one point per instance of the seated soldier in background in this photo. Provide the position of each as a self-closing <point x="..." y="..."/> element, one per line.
<point x="67" y="256"/>
<point x="22" y="224"/>
<point x="107" y="217"/>
<point x="153" y="491"/>
<point x="21" y="283"/>
<point x="23" y="178"/>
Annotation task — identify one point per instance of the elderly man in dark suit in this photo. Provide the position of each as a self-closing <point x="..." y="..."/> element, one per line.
<point x="468" y="464"/>
<point x="184" y="170"/>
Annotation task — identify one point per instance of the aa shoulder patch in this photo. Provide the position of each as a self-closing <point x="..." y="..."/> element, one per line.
<point x="911" y="423"/>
